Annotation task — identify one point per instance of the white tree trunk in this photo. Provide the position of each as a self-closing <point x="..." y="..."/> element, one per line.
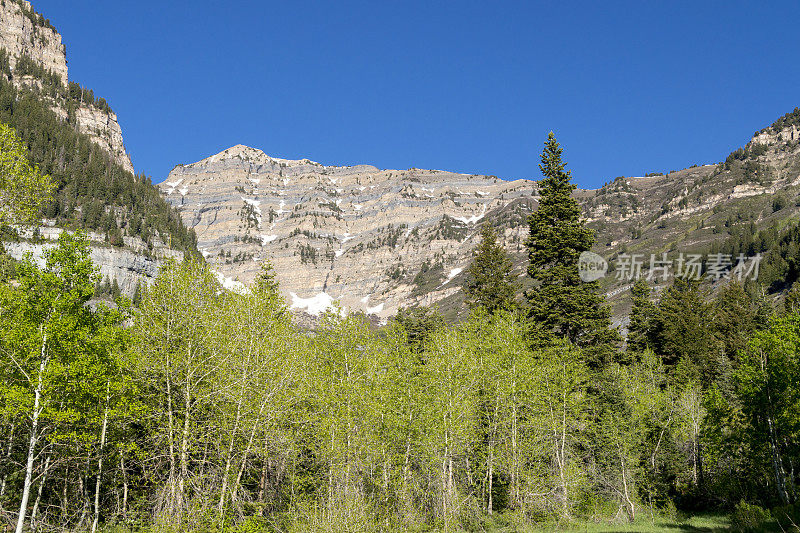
<point x="100" y="463"/>
<point x="35" y="510"/>
<point x="34" y="440"/>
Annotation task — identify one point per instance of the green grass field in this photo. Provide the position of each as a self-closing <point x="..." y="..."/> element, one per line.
<point x="695" y="524"/>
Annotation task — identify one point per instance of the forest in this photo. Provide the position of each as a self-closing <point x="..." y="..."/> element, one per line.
<point x="92" y="192"/>
<point x="203" y="410"/>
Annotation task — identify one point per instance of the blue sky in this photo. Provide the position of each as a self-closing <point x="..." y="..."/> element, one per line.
<point x="628" y="87"/>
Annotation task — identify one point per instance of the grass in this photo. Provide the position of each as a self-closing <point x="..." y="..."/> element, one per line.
<point x="696" y="524"/>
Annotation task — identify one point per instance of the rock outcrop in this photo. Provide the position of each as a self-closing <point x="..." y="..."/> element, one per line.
<point x="371" y="239"/>
<point x="129" y="266"/>
<point x="25" y="33"/>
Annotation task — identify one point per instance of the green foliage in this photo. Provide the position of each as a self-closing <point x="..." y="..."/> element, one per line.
<point x="419" y="323"/>
<point x="560" y="302"/>
<point x="23" y="189"/>
<point x="680" y="334"/>
<point x="62" y="379"/>
<point x="768" y="385"/>
<point x="642" y="318"/>
<point x="490" y="284"/>
<point x="748" y="517"/>
<point x="91" y="191"/>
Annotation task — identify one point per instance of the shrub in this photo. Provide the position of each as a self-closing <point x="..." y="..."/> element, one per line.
<point x="749" y="517"/>
<point x="788" y="517"/>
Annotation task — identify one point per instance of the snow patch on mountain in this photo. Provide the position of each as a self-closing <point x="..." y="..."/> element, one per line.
<point x="172" y="185"/>
<point x="473" y="219"/>
<point x="231" y="284"/>
<point x="316" y="305"/>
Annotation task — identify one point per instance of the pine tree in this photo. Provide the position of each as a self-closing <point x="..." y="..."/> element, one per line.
<point x="490" y="284"/>
<point x="560" y="302"/>
<point x="681" y="336"/>
<point x="419" y="324"/>
<point x="640" y="329"/>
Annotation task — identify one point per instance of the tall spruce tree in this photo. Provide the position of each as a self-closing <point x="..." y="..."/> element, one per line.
<point x="560" y="302"/>
<point x="642" y="318"/>
<point x="489" y="284"/>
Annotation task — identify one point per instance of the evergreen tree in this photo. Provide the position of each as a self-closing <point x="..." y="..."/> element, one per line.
<point x="736" y="318"/>
<point x="419" y="324"/>
<point x="489" y="283"/>
<point x="560" y="302"/>
<point x="642" y="318"/>
<point x="682" y="334"/>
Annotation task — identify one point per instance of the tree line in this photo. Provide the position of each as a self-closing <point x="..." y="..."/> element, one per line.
<point x="208" y="410"/>
<point x="92" y="191"/>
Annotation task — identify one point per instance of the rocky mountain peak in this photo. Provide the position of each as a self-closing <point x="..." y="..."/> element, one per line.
<point x="253" y="156"/>
<point x="372" y="240"/>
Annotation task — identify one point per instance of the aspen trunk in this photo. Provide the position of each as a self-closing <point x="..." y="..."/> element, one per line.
<point x="38" y="500"/>
<point x="124" y="488"/>
<point x="8" y="456"/>
<point x="630" y="507"/>
<point x="34" y="440"/>
<point x="100" y="462"/>
<point x="171" y="432"/>
<point x="229" y="458"/>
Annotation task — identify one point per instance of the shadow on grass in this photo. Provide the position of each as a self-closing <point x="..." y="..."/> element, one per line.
<point x="694" y="524"/>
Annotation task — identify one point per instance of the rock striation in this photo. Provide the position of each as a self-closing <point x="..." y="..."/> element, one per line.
<point x="26" y="33"/>
<point x="372" y="240"/>
<point x="131" y="266"/>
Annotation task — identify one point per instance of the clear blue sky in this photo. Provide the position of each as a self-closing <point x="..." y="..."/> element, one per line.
<point x="628" y="87"/>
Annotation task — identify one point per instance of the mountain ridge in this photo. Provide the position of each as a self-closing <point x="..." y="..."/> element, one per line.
<point x="672" y="212"/>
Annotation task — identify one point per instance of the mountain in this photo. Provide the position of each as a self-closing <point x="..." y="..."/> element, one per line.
<point x="74" y="136"/>
<point x="376" y="240"/>
<point x="372" y="239"/>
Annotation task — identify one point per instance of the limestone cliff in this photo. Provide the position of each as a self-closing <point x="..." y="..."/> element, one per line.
<point x="27" y="34"/>
<point x="130" y="265"/>
<point x="372" y="239"/>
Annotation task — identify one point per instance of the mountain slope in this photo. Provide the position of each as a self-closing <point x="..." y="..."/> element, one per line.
<point x="74" y="137"/>
<point x="377" y="240"/>
<point x="372" y="239"/>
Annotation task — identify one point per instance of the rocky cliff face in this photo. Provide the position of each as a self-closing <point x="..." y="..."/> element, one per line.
<point x="130" y="266"/>
<point x="372" y="239"/>
<point x="23" y="32"/>
<point x="104" y="130"/>
<point x="376" y="240"/>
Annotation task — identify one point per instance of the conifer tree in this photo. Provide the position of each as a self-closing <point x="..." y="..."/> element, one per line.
<point x="642" y="318"/>
<point x="681" y="336"/>
<point x="489" y="284"/>
<point x="419" y="324"/>
<point x="560" y="302"/>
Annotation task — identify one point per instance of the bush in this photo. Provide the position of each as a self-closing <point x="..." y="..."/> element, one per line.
<point x="749" y="517"/>
<point x="779" y="203"/>
<point x="788" y="517"/>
